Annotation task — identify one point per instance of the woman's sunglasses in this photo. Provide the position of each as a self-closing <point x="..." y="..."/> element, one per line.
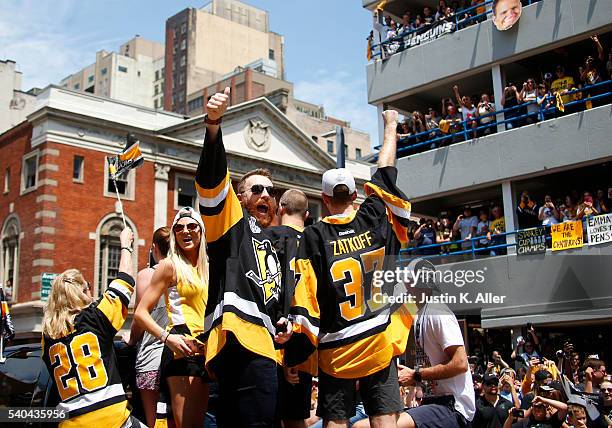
<point x="191" y="227"/>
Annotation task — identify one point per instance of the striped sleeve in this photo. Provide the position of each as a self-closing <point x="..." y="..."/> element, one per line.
<point x="304" y="312"/>
<point x="114" y="303"/>
<point x="383" y="185"/>
<point x="217" y="200"/>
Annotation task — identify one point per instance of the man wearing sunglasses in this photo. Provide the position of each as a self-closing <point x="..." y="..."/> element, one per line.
<point x="491" y="408"/>
<point x="241" y="325"/>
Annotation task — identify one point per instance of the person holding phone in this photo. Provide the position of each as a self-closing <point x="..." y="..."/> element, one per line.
<point x="586" y="208"/>
<point x="544" y="413"/>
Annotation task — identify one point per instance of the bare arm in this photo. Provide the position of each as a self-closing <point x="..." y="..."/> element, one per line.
<point x="457" y="96"/>
<point x="388" y="152"/>
<point x="125" y="262"/>
<point x="457" y="364"/>
<point x="600" y="50"/>
<point x="161" y="279"/>
<point x="215" y="109"/>
<point x="142" y="282"/>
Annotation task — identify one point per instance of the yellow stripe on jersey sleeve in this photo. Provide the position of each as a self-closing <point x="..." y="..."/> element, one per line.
<point x="218" y="224"/>
<point x="114" y="415"/>
<point x="370" y="354"/>
<point x="305" y="307"/>
<point x="396" y="208"/>
<point x="111" y="305"/>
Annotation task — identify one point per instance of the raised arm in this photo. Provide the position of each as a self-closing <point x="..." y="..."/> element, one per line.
<point x="388" y="152"/>
<point x="457" y="95"/>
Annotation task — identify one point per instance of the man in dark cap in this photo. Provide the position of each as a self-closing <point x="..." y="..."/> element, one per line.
<point x="491" y="408"/>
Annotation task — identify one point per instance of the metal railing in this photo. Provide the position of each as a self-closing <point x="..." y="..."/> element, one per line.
<point x="460" y="18"/>
<point x="471" y="246"/>
<point x="513" y="118"/>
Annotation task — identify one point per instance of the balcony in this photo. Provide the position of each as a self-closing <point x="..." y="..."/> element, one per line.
<point x="544" y="26"/>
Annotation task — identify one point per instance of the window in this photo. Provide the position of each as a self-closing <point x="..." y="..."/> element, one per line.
<point x="183" y="44"/>
<point x="10" y="258"/>
<point x="103" y="71"/>
<point x="271" y="54"/>
<point x="186" y="195"/>
<point x="138" y="73"/>
<point x="315" y="138"/>
<point x="122" y="69"/>
<point x="330" y="146"/>
<point x="156" y="74"/>
<point x="358" y="153"/>
<point x="90" y="79"/>
<point x="196" y="103"/>
<point x="156" y="89"/>
<point x="7" y="179"/>
<point x="77" y="169"/>
<point x="183" y="28"/>
<point x="182" y="79"/>
<point x="346" y="151"/>
<point x="155" y="103"/>
<point x="183" y="61"/>
<point x="314" y="212"/>
<point x="77" y="86"/>
<point x="109" y="254"/>
<point x="29" y="172"/>
<point x="125" y="184"/>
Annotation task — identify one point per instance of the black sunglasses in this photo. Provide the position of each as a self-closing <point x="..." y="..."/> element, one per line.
<point x="191" y="227"/>
<point x="257" y="189"/>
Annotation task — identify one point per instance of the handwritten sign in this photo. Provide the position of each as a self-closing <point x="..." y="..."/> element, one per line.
<point x="599" y="229"/>
<point x="567" y="235"/>
<point x="531" y="241"/>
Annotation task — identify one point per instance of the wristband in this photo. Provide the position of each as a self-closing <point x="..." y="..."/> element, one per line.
<point x="213" y="122"/>
<point x="417" y="375"/>
<point x="127" y="248"/>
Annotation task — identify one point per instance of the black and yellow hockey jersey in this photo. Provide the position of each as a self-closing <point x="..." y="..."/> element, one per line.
<point x="337" y="309"/>
<point x="83" y="364"/>
<point x="244" y="273"/>
<point x="286" y="240"/>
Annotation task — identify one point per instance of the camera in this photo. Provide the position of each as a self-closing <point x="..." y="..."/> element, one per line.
<point x="560" y="353"/>
<point x="518" y="413"/>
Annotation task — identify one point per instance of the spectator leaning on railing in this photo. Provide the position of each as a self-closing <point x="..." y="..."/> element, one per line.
<point x="466" y="224"/>
<point x="511" y="98"/>
<point x="548" y="213"/>
<point x="528" y="96"/>
<point x="586" y="208"/>
<point x="485" y="107"/>
<point x="469" y="112"/>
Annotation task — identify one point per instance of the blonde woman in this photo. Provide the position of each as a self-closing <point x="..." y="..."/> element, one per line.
<point x="78" y="348"/>
<point x="182" y="278"/>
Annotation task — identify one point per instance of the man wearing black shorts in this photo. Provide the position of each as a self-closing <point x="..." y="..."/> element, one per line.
<point x="338" y="309"/>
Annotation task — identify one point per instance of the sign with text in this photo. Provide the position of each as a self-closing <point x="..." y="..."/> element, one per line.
<point x="599" y="229"/>
<point x="46" y="279"/>
<point x="567" y="235"/>
<point x="428" y="33"/>
<point x="531" y="241"/>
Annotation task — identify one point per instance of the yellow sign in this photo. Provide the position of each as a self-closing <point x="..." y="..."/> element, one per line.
<point x="567" y="235"/>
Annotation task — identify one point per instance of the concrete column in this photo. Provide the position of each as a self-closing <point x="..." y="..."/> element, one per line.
<point x="498" y="90"/>
<point x="381" y="124"/>
<point x="161" y="196"/>
<point x="509" y="213"/>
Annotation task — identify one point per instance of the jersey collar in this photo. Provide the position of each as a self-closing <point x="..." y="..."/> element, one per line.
<point x="340" y="218"/>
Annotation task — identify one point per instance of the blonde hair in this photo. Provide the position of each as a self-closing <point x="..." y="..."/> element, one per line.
<point x="183" y="266"/>
<point x="66" y="301"/>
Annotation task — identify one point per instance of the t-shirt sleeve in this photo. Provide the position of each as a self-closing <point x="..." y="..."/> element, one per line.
<point x="218" y="203"/>
<point x="382" y="187"/>
<point x="448" y="331"/>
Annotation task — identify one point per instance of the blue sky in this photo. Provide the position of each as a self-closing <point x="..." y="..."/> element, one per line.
<point x="324" y="43"/>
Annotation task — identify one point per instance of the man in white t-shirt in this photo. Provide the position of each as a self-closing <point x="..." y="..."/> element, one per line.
<point x="437" y="332"/>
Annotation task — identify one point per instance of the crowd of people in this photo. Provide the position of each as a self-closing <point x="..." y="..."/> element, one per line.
<point x="526" y="388"/>
<point x="485" y="227"/>
<point x="391" y="32"/>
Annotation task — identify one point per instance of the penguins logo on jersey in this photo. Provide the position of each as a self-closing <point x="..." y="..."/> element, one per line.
<point x="269" y="278"/>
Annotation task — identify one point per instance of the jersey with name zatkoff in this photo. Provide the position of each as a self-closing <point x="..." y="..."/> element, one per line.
<point x="337" y="307"/>
<point x="245" y="273"/>
<point x="83" y="364"/>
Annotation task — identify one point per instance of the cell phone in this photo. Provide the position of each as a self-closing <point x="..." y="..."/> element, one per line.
<point x="518" y="413"/>
<point x="529" y="326"/>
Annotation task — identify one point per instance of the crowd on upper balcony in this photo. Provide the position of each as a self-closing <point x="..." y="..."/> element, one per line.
<point x="484" y="228"/>
<point x="464" y="116"/>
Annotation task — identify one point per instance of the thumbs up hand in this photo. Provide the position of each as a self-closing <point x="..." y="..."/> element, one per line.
<point x="217" y="105"/>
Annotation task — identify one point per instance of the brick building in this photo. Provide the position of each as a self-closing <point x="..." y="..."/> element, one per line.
<point x="58" y="208"/>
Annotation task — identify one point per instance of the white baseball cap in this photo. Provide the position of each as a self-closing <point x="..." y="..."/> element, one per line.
<point x="335" y="177"/>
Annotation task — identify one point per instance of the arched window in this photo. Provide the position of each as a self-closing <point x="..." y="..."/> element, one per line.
<point x="108" y="252"/>
<point x="9" y="266"/>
